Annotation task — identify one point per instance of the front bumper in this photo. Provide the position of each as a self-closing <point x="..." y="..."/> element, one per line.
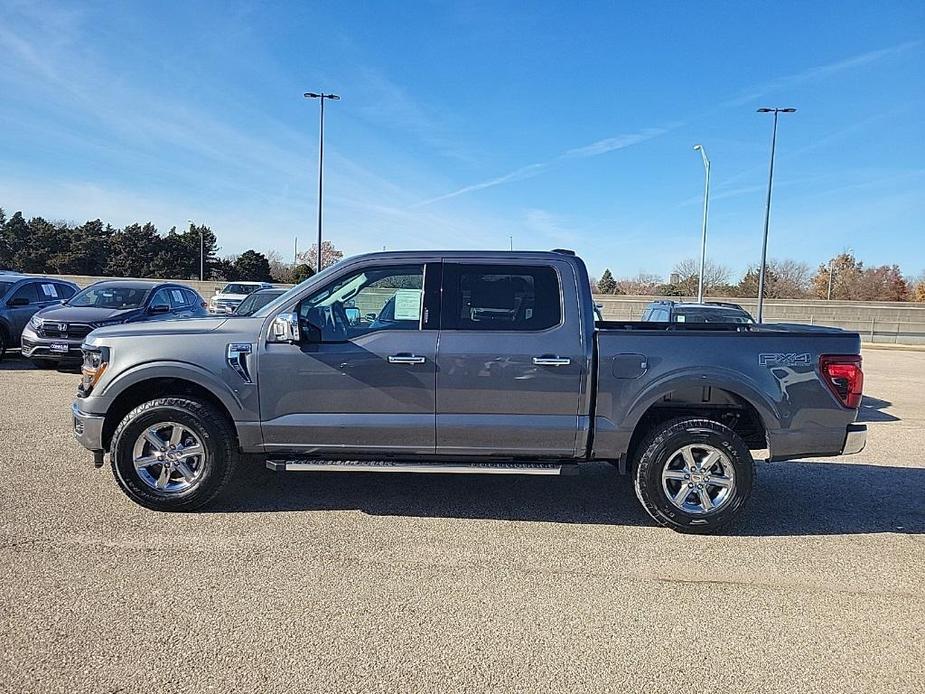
<point x="88" y="429"/>
<point x="223" y="309"/>
<point x="33" y="346"/>
<point x="855" y="439"/>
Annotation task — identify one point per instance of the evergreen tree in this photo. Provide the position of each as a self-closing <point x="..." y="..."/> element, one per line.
<point x="253" y="266"/>
<point x="607" y="284"/>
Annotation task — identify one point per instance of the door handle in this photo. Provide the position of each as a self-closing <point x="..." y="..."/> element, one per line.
<point x="551" y="361"/>
<point x="406" y="359"/>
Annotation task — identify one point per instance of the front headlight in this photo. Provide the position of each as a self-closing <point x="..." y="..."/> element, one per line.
<point x="35" y="323"/>
<point x="92" y="369"/>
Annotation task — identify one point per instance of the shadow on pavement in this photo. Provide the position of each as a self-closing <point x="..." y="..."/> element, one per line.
<point x="794" y="498"/>
<point x="872" y="410"/>
<point x="14" y="361"/>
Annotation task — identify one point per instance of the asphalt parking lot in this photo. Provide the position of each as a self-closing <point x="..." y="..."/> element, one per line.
<point x="369" y="582"/>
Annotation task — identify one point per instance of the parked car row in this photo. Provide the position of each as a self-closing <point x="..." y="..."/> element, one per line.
<point x="49" y="318"/>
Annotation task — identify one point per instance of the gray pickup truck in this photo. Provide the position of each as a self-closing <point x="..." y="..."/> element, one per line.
<point x="464" y="362"/>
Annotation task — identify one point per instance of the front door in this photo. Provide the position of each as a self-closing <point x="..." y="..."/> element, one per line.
<point x="362" y="380"/>
<point x="510" y="365"/>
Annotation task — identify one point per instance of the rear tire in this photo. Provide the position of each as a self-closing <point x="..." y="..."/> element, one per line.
<point x="693" y="475"/>
<point x="184" y="481"/>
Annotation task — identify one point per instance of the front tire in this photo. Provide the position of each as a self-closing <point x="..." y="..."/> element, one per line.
<point x="173" y="454"/>
<point x="694" y="475"/>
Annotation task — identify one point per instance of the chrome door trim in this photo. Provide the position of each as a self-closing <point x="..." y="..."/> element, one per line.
<point x="551" y="361"/>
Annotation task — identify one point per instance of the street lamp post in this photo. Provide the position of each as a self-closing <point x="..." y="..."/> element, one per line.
<point x="202" y="262"/>
<point x="706" y="209"/>
<point x="321" y="97"/>
<point x="767" y="208"/>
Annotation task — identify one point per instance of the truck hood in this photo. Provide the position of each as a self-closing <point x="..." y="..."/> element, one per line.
<point x="182" y="326"/>
<point x="86" y="314"/>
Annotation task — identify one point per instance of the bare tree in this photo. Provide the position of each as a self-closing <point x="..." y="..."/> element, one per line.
<point x="640" y="285"/>
<point x="785" y="279"/>
<point x="715" y="276"/>
<point x="329" y="255"/>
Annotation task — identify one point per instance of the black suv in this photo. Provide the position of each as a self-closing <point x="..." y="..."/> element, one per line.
<point x="21" y="296"/>
<point x="707" y="312"/>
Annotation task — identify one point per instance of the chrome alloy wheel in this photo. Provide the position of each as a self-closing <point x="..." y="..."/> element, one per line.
<point x="698" y="479"/>
<point x="169" y="457"/>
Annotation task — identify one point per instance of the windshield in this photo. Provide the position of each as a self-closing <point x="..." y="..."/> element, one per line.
<point x="254" y="302"/>
<point x="235" y="288"/>
<point x="111" y="296"/>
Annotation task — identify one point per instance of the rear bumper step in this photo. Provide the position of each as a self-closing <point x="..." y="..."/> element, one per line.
<point x="307" y="465"/>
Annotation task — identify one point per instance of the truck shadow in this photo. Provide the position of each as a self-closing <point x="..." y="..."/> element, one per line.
<point x="872" y="410"/>
<point x="792" y="498"/>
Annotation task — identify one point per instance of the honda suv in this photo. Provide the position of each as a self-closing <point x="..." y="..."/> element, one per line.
<point x="54" y="334"/>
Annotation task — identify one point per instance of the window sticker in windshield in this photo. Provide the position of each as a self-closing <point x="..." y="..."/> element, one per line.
<point x="408" y="304"/>
<point x="679" y="318"/>
<point x="177" y="296"/>
<point x="50" y="290"/>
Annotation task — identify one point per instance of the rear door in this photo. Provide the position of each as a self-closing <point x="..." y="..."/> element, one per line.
<point x="180" y="305"/>
<point x="510" y="361"/>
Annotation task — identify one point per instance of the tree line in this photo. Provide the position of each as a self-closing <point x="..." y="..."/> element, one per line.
<point x="843" y="278"/>
<point x="39" y="246"/>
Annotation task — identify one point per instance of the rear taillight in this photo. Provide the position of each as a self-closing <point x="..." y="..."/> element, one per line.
<point x="843" y="374"/>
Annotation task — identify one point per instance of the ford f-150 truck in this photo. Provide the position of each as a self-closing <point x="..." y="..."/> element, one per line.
<point x="464" y="362"/>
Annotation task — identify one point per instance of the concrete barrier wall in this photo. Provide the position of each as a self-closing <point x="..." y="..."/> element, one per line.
<point x="877" y="321"/>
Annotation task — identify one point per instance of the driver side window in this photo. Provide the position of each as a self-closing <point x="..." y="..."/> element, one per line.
<point x="369" y="300"/>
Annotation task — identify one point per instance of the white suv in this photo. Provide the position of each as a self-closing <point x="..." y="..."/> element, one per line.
<point x="227" y="299"/>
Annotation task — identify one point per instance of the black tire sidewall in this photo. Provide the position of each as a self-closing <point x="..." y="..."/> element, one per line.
<point x="667" y="441"/>
<point x="190" y="415"/>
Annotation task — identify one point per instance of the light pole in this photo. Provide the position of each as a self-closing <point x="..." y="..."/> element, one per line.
<point x="706" y="209"/>
<point x="202" y="262"/>
<point x="767" y="208"/>
<point x="321" y="97"/>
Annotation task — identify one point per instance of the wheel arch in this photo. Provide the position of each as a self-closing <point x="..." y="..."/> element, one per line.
<point x="145" y="389"/>
<point x="713" y="395"/>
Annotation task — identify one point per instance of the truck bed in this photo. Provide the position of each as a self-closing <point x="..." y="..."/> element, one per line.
<point x="754" y="374"/>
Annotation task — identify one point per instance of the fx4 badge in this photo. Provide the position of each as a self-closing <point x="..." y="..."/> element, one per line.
<point x="785" y="359"/>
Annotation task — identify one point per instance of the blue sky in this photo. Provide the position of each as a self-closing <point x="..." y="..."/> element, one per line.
<point x="465" y="123"/>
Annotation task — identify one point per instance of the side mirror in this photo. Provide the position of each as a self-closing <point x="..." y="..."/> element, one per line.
<point x="18" y="301"/>
<point x="284" y="328"/>
<point x="159" y="308"/>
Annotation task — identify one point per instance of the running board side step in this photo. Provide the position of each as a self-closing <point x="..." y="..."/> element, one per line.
<point x="308" y="465"/>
